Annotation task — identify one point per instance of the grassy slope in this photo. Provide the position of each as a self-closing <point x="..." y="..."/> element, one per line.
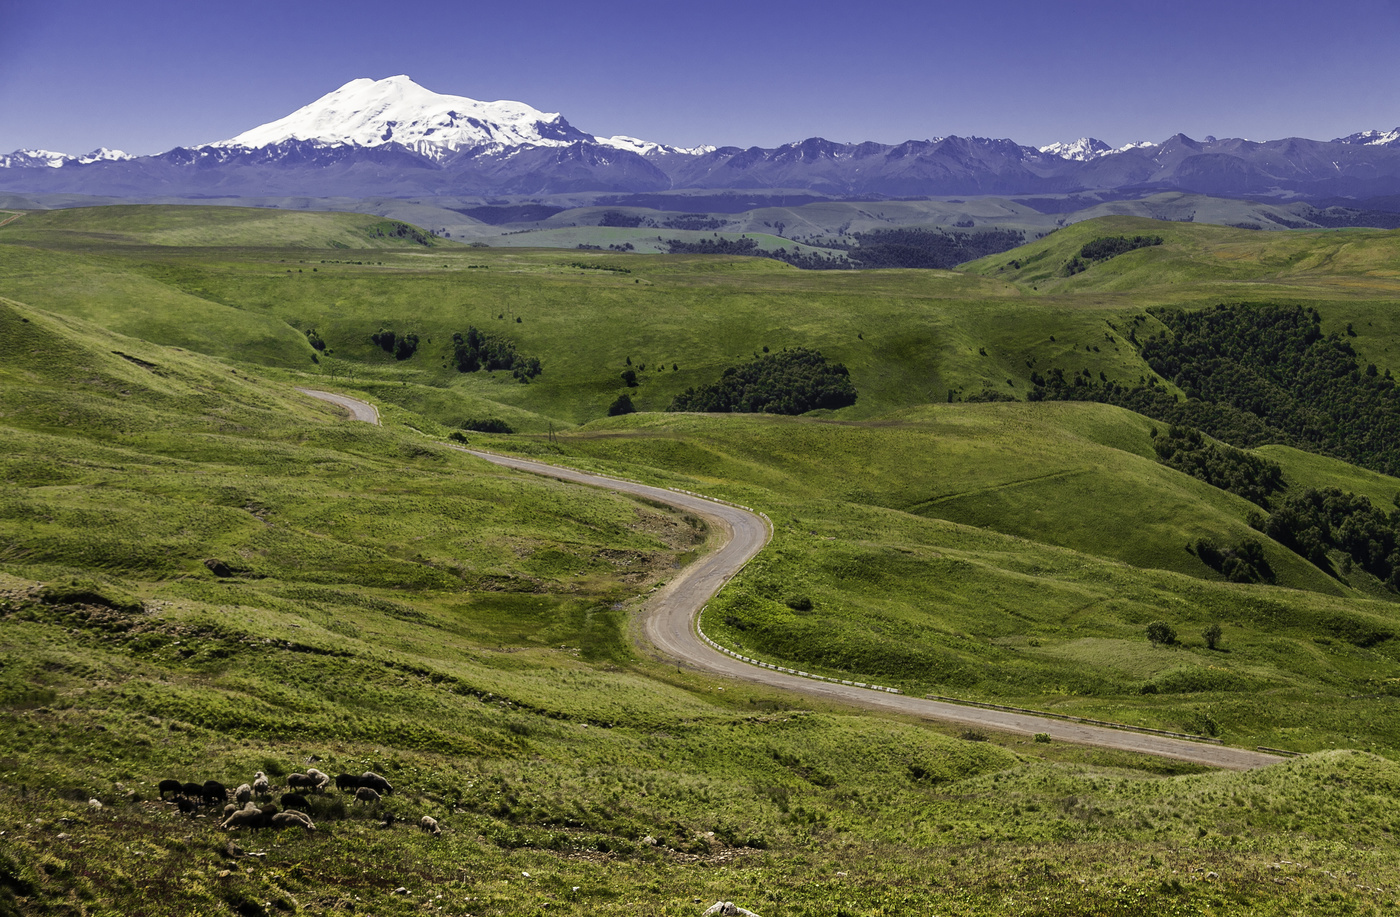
<point x="939" y="606"/>
<point x="205" y="226"/>
<point x="518" y="718"/>
<point x="383" y="577"/>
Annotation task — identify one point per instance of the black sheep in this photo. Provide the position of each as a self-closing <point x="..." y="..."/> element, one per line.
<point x="171" y="786"/>
<point x="295" y="801"/>
<point x="213" y="792"/>
<point x="347" y="782"/>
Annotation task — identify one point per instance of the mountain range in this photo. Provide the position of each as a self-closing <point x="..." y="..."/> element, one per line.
<point x="393" y="138"/>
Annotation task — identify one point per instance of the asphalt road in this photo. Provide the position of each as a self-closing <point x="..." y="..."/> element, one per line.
<point x="669" y="625"/>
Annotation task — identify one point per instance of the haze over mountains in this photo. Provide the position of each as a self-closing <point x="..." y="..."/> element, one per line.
<point x="394" y="138"/>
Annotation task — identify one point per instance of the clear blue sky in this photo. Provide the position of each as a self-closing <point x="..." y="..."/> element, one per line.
<point x="148" y="75"/>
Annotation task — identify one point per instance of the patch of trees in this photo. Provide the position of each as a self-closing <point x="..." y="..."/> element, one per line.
<point x="988" y="395"/>
<point x="928" y="248"/>
<point x="401" y="346"/>
<point x="478" y="350"/>
<point x="618" y="219"/>
<point x="697" y="221"/>
<point x="715" y="246"/>
<point x="622" y="405"/>
<point x="314" y="340"/>
<point x="487" y="425"/>
<point x="586" y="266"/>
<point x="393" y="229"/>
<point x="1254" y="375"/>
<point x="789" y="382"/>
<point x="1245" y="475"/>
<point x="1314" y="522"/>
<point x="1242" y="563"/>
<point x="1105" y="247"/>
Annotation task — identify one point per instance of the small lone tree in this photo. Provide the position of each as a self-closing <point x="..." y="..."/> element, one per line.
<point x="1161" y="632"/>
<point x="623" y="405"/>
<point x="629" y="376"/>
<point x="1212" y="636"/>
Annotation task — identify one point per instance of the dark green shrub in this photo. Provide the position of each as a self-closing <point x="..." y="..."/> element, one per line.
<point x="1162" y="633"/>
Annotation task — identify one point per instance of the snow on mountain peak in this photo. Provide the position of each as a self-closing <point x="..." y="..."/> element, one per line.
<point x="646" y="147"/>
<point x="1087" y="148"/>
<point x="1372" y="138"/>
<point x="370" y="113"/>
<point x="1081" y="150"/>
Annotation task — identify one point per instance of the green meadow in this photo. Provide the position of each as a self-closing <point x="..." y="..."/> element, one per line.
<point x="204" y="574"/>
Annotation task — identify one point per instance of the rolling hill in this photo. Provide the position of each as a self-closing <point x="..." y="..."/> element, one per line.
<point x="205" y="574"/>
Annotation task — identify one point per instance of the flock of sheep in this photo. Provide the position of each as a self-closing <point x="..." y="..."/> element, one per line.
<point x="242" y="808"/>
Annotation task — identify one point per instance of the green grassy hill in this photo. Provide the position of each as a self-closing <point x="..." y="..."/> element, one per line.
<point x="216" y="226"/>
<point x="204" y="574"/>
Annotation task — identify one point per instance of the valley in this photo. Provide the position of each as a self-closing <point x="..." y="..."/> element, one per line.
<point x="389" y="602"/>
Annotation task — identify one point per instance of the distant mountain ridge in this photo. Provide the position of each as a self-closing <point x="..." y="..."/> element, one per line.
<point x="393" y="138"/>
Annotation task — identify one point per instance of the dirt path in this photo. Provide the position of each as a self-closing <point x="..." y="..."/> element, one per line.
<point x="13" y="215"/>
<point x="669" y="624"/>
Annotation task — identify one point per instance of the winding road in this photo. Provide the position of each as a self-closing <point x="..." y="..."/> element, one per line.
<point x="671" y="612"/>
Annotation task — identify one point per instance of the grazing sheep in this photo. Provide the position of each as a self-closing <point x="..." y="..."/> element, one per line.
<point x="171" y="786"/>
<point x="214" y="792"/>
<point x="347" y="782"/>
<point x="245" y="818"/>
<point x="192" y="790"/>
<point x="186" y="805"/>
<point x="243" y="794"/>
<point x="323" y="779"/>
<point x="292" y="819"/>
<point x="261" y="787"/>
<point x="301" y="782"/>
<point x="430" y="825"/>
<point x="95" y="804"/>
<point x="375" y="782"/>
<point x="366" y="795"/>
<point x="230" y="809"/>
<point x="295" y="801"/>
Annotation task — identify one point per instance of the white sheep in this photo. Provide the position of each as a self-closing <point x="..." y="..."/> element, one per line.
<point x="430" y="825"/>
<point x="243" y="794"/>
<point x="261" y="787"/>
<point x="366" y="795"/>
<point x="293" y="819"/>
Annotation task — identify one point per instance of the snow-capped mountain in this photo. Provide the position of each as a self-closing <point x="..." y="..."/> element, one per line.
<point x="647" y="148"/>
<point x="22" y="159"/>
<point x="370" y="113"/>
<point x="1372" y="138"/>
<point x="1081" y="150"/>
<point x="1087" y="148"/>
<point x="392" y="137"/>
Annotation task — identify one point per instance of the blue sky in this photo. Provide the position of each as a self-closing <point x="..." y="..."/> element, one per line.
<point x="148" y="75"/>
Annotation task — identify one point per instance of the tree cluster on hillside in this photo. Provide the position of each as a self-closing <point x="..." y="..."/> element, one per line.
<point x="1234" y="470"/>
<point x="487" y="425"/>
<point x="695" y="221"/>
<point x="1241" y="563"/>
<point x="478" y="350"/>
<point x="1105" y="247"/>
<point x="618" y="219"/>
<point x="790" y="382"/>
<point x="715" y="246"/>
<point x="928" y="248"/>
<point x="393" y="229"/>
<point x="1254" y="375"/>
<point x="1276" y="364"/>
<point x="1315" y="521"/>
<point x="401" y="346"/>
<point x="314" y="340"/>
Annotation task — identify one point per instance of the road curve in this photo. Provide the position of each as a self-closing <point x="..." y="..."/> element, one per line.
<point x="671" y="612"/>
<point x="359" y="410"/>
